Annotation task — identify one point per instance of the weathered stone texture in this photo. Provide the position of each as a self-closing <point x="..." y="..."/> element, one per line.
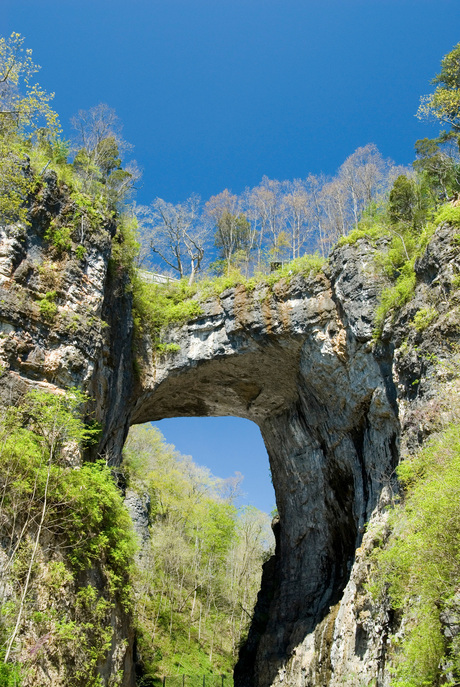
<point x="299" y="361"/>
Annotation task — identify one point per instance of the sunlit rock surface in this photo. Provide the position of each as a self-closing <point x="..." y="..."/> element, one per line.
<point x="300" y="362"/>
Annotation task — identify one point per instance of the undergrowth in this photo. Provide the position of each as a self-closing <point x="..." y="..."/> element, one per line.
<point x="420" y="567"/>
<point x="67" y="546"/>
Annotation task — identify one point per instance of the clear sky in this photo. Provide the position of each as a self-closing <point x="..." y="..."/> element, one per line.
<point x="216" y="93"/>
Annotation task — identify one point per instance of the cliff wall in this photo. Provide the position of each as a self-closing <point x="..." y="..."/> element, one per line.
<point x="334" y="409"/>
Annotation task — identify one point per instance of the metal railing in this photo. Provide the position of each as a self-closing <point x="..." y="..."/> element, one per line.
<point x="154" y="277"/>
<point x="209" y="680"/>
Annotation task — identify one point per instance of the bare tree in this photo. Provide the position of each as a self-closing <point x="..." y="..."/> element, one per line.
<point x="177" y="234"/>
<point x="297" y="213"/>
<point x="362" y="175"/>
<point x="232" y="230"/>
<point x="266" y="203"/>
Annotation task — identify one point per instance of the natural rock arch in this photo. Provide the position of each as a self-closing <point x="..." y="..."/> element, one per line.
<point x="296" y="359"/>
<point x="298" y="362"/>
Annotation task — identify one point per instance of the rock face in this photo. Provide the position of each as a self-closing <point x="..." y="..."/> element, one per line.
<point x="299" y="361"/>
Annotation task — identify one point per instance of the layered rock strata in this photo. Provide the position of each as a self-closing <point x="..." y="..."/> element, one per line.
<point x="298" y="359"/>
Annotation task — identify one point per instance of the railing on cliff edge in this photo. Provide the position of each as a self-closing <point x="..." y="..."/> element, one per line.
<point x="209" y="680"/>
<point x="155" y="277"/>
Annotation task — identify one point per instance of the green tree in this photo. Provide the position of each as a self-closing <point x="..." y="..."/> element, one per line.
<point x="58" y="518"/>
<point x="100" y="148"/>
<point x="24" y="108"/>
<point x="409" y="201"/>
<point x="200" y="575"/>
<point x="439" y="164"/>
<point x="444" y="103"/>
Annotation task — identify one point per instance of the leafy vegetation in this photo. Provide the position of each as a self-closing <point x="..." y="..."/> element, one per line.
<point x="200" y="574"/>
<point x="421" y="565"/>
<point x="43" y="495"/>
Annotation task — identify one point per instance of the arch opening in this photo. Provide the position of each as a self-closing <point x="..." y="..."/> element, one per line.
<point x="203" y="540"/>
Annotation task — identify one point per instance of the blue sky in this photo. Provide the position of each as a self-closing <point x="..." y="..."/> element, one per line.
<point x="216" y="93"/>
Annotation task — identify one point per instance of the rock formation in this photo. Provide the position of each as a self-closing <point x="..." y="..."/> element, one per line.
<point x="299" y="360"/>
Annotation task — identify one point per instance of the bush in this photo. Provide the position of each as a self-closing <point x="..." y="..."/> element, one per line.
<point x="48" y="307"/>
<point x="421" y="566"/>
<point x="395" y="296"/>
<point x="423" y="318"/>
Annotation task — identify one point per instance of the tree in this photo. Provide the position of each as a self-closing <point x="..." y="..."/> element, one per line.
<point x="362" y="175"/>
<point x="439" y="164"/>
<point x="178" y="234"/>
<point x="99" y="149"/>
<point x="200" y="577"/>
<point x="444" y="103"/>
<point x="297" y="212"/>
<point x="23" y="105"/>
<point x="232" y="230"/>
<point x="24" y="108"/>
<point x="408" y="202"/>
<point x="266" y="202"/>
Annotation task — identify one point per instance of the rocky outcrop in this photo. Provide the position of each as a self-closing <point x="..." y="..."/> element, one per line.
<point x="299" y="360"/>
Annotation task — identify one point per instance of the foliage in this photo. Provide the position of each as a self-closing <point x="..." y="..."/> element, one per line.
<point x="395" y="296"/>
<point x="444" y="103"/>
<point x="59" y="237"/>
<point x="99" y="150"/>
<point x="48" y="307"/>
<point x="409" y="201"/>
<point x="421" y="565"/>
<point x="438" y="163"/>
<point x="23" y="107"/>
<point x="448" y="214"/>
<point x="157" y="305"/>
<point x="424" y="317"/>
<point x="199" y="579"/>
<point x="43" y="489"/>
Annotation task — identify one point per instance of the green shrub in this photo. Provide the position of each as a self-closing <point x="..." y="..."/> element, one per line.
<point x="59" y="237"/>
<point x="421" y="565"/>
<point x="48" y="307"/>
<point x="448" y="214"/>
<point x="395" y="296"/>
<point x="370" y="232"/>
<point x="424" y="317"/>
<point x="157" y="305"/>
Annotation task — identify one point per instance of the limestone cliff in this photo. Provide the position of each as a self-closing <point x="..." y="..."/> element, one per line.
<point x="298" y="359"/>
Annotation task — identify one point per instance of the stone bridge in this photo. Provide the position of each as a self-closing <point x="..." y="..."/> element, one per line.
<point x="296" y="359"/>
